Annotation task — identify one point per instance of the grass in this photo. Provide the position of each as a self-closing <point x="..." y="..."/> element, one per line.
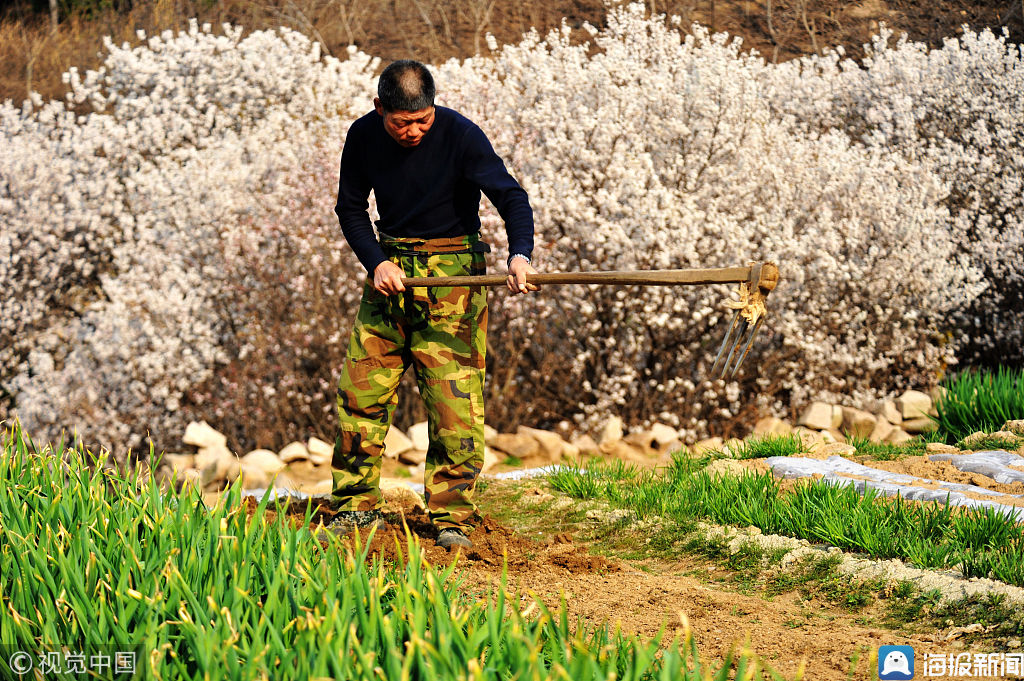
<point x="980" y="542"/>
<point x="93" y="556"/>
<point x="980" y="401"/>
<point x="690" y="550"/>
<point x="991" y="442"/>
<point x="769" y="445"/>
<point x="886" y="451"/>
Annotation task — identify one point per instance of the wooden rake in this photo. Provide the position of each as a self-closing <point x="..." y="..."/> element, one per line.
<point x="755" y="281"/>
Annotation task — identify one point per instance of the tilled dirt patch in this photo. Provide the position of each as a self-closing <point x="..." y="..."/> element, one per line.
<point x="495" y="547"/>
<point x="788" y="632"/>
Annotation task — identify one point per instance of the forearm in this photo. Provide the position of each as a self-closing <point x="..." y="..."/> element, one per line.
<point x="360" y="237"/>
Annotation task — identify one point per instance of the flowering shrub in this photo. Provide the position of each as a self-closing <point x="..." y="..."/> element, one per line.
<point x="176" y="253"/>
<point x="664" y="151"/>
<point x="191" y="138"/>
<point x="957" y="110"/>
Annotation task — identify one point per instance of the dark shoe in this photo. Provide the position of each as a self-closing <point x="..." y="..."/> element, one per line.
<point x="345" y="521"/>
<point x="451" y="538"/>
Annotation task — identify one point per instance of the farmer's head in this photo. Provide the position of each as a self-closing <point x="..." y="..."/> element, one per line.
<point x="405" y="99"/>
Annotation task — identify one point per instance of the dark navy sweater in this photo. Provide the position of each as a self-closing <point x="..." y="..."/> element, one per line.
<point x="431" y="190"/>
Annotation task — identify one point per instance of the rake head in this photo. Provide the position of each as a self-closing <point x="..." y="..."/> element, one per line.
<point x="748" y="315"/>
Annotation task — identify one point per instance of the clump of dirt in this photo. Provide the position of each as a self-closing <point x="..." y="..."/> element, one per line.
<point x="495" y="547"/>
<point x="921" y="467"/>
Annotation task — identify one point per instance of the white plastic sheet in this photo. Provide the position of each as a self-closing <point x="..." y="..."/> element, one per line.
<point x="836" y="470"/>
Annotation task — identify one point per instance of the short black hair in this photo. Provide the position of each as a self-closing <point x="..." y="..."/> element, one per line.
<point x="405" y="85"/>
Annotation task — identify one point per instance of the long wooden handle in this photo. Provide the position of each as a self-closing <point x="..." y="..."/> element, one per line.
<point x="714" y="275"/>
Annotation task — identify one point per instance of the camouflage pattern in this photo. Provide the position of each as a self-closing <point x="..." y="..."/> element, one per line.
<point x="441" y="333"/>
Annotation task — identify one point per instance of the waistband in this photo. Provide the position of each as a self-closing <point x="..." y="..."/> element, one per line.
<point x="470" y="243"/>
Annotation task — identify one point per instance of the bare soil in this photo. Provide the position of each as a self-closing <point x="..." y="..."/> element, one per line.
<point x="552" y="550"/>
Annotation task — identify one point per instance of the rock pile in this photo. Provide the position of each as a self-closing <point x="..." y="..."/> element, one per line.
<point x="305" y="466"/>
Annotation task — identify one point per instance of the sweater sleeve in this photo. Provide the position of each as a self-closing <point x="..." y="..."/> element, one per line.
<point x="483" y="167"/>
<point x="353" y="192"/>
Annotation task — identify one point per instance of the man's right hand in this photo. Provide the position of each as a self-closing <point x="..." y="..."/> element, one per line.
<point x="387" y="278"/>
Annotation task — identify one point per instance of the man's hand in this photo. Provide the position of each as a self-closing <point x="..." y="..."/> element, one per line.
<point x="517" y="272"/>
<point x="387" y="278"/>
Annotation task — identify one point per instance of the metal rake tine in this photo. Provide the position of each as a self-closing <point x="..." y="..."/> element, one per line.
<point x="725" y="341"/>
<point x="750" y="342"/>
<point x="739" y="336"/>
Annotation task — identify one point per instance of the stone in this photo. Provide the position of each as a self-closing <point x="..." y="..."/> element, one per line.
<point x="396" y="443"/>
<point x="585" y="445"/>
<point x="771" y="425"/>
<point x="179" y="462"/>
<point x="519" y="446"/>
<point x="202" y="435"/>
<point x="285" y="484"/>
<point x="898" y="436"/>
<point x="857" y="422"/>
<point x="189" y="479"/>
<point x="419" y="435"/>
<point x="817" y="416"/>
<point x="612" y="431"/>
<point x="265" y="460"/>
<point x="253" y="477"/>
<point x="837" y="417"/>
<point x="489" y="432"/>
<point x="733" y="445"/>
<point x="491" y="459"/>
<point x="663" y="435"/>
<point x="671" y="447"/>
<point x="294" y="451"/>
<point x="643" y="440"/>
<point x="320" y="451"/>
<point x="1016" y="427"/>
<point x="913" y="404"/>
<point x="890" y="412"/>
<point x="624" y="451"/>
<point x="828" y="436"/>
<point x="940" y="448"/>
<point x="413" y="457"/>
<point x="207" y="456"/>
<point x="710" y="444"/>
<point x="938" y="393"/>
<point x="881" y="430"/>
<point x="320" y="487"/>
<point x="217" y="464"/>
<point x="551" y="444"/>
<point x="921" y="424"/>
<point x="400" y="493"/>
<point x="810" y="438"/>
<point x="570" y="451"/>
<point x="974" y="437"/>
<point x="837" y="449"/>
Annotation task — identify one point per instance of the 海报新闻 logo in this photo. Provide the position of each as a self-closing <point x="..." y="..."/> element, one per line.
<point x="895" y="663"/>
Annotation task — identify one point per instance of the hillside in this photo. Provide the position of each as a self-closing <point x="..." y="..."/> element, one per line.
<point x="34" y="52"/>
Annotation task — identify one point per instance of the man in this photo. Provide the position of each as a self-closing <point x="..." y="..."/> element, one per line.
<point x="426" y="165"/>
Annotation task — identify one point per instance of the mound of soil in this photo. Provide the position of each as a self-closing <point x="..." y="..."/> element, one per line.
<point x="494" y="546"/>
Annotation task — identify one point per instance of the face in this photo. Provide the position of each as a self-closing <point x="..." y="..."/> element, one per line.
<point x="406" y="127"/>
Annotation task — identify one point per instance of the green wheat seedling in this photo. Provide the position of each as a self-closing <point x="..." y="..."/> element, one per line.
<point x="980" y="542"/>
<point x="980" y="401"/>
<point x="93" y="556"/>
<point x="593" y="480"/>
<point x="991" y="442"/>
<point x="886" y="451"/>
<point x="769" y="445"/>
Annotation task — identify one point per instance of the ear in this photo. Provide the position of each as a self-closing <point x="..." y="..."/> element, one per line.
<point x="378" y="106"/>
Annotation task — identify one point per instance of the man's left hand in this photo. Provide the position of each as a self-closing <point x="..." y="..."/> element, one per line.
<point x="517" y="272"/>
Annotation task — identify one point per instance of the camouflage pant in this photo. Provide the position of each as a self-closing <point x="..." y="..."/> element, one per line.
<point x="441" y="333"/>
